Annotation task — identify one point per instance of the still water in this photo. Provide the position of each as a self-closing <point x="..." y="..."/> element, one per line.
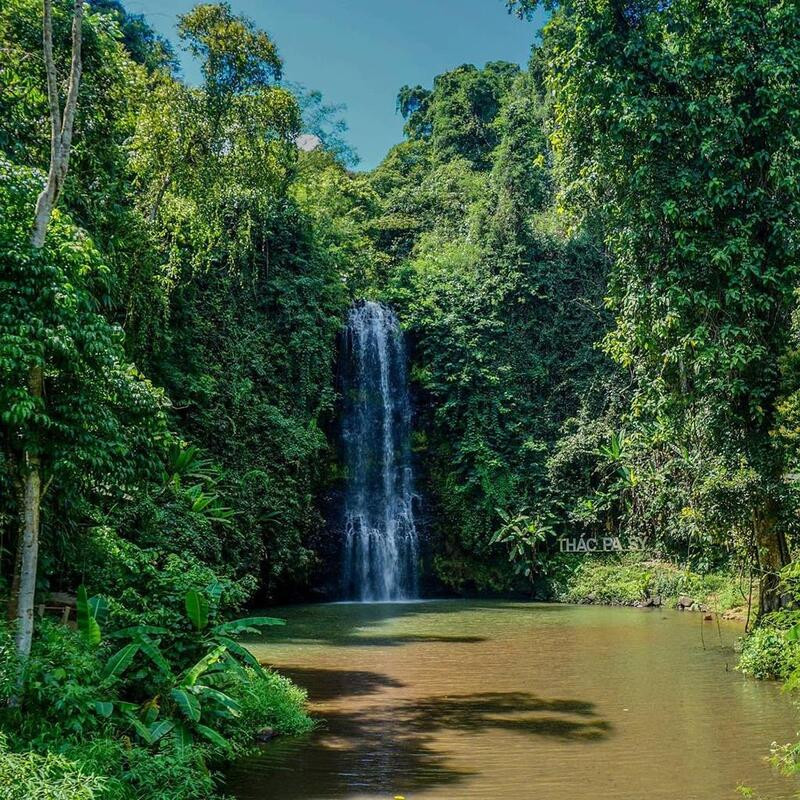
<point x="491" y="700"/>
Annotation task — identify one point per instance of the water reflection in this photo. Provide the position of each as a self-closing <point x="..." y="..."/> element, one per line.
<point x="506" y="700"/>
<point x="394" y="745"/>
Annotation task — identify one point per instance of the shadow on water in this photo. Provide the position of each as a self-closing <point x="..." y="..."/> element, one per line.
<point x="511" y="711"/>
<point x="349" y="624"/>
<point x="329" y="684"/>
<point x="391" y="748"/>
<point x="384" y="640"/>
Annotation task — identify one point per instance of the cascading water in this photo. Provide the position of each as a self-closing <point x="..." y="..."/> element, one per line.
<point x="380" y="544"/>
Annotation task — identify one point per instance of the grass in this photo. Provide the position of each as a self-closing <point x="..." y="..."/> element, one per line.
<point x="630" y="579"/>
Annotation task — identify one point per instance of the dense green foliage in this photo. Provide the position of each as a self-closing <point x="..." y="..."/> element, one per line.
<point x="595" y="259"/>
<point x="184" y="310"/>
<point x="503" y="308"/>
<point x="633" y="579"/>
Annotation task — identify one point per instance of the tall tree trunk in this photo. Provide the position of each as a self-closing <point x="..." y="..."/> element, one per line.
<point x="13" y="595"/>
<point x="30" y="538"/>
<point x="61" y="127"/>
<point x="773" y="555"/>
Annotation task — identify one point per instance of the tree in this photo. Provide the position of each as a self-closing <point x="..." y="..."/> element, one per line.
<point x="457" y="114"/>
<point x="61" y="122"/>
<point x="237" y="58"/>
<point x="675" y="126"/>
<point x="238" y="127"/>
<point x="61" y="126"/>
<point x="75" y="414"/>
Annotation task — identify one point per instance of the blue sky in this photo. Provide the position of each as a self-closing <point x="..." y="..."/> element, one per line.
<point x="360" y="52"/>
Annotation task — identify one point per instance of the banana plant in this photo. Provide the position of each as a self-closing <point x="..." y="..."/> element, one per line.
<point x="194" y="700"/>
<point x="185" y="464"/>
<point x="523" y="534"/>
<point x="183" y="712"/>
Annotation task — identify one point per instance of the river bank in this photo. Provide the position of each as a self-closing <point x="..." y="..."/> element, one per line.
<point x="765" y="652"/>
<point x="634" y="580"/>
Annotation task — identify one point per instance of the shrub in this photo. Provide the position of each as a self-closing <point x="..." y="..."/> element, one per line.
<point x="62" y="683"/>
<point x="142" y="710"/>
<point x="766" y="653"/>
<point x="147" y="585"/>
<point x="608" y="582"/>
<point x="132" y="772"/>
<point x="624" y="580"/>
<point x="269" y="700"/>
<point x="31" y="776"/>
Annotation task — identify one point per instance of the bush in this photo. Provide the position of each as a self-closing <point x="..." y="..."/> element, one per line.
<point x="31" y="776"/>
<point x="131" y="772"/>
<point x="147" y="585"/>
<point x="142" y="710"/>
<point x="766" y="653"/>
<point x="62" y="682"/>
<point x="605" y="582"/>
<point x="269" y="700"/>
<point x="628" y="579"/>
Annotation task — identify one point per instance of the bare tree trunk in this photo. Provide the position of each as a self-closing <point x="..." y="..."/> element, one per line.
<point x="773" y="555"/>
<point x="30" y="538"/>
<point x="61" y="127"/>
<point x="13" y="595"/>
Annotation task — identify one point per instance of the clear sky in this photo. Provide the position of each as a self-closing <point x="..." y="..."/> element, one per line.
<point x="360" y="52"/>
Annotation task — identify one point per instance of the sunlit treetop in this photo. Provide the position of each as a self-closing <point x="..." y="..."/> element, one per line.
<point x="236" y="56"/>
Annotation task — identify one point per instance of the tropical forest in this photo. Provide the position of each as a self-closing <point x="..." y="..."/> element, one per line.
<point x="473" y="472"/>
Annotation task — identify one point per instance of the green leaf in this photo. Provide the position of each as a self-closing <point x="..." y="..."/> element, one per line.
<point x="149" y="712"/>
<point x="234" y="647"/>
<point x="137" y="630"/>
<point x="188" y="703"/>
<point x="197" y="609"/>
<point x="234" y="666"/>
<point x="120" y="661"/>
<point x="153" y="652"/>
<point x="193" y="673"/>
<point x="87" y="624"/>
<point x="141" y="729"/>
<point x="160" y="729"/>
<point x="214" y="590"/>
<point x="793" y="634"/>
<point x="98" y="606"/>
<point x="213" y="736"/>
<point x="104" y="707"/>
<point x="183" y="738"/>
<point x="221" y="698"/>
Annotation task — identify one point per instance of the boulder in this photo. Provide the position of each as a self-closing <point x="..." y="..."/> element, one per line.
<point x="265" y="734"/>
<point x="684" y="602"/>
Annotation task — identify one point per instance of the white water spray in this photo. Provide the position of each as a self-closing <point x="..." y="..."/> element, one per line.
<point x="381" y="548"/>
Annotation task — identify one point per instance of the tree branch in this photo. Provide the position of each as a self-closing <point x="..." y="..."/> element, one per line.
<point x="72" y="92"/>
<point x="60" y="127"/>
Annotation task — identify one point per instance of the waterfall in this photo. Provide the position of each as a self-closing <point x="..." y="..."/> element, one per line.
<point x="380" y="539"/>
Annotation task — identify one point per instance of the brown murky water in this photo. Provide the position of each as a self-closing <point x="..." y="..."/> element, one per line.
<point x="498" y="700"/>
